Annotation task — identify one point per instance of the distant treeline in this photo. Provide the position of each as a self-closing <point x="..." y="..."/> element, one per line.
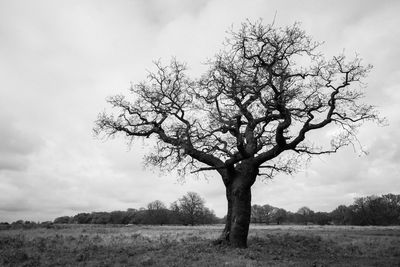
<point x="188" y="210"/>
<point x="371" y="210"/>
<point x="191" y="210"/>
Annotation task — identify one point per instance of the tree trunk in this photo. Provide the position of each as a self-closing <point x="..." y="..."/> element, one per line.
<point x="240" y="218"/>
<point x="238" y="195"/>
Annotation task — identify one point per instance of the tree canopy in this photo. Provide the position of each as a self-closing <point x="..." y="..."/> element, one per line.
<point x="260" y="97"/>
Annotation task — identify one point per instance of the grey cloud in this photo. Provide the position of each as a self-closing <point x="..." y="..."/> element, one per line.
<point x="162" y="12"/>
<point x="18" y="206"/>
<point x="15" y="145"/>
<point x="385" y="148"/>
<point x="15" y="141"/>
<point x="12" y="162"/>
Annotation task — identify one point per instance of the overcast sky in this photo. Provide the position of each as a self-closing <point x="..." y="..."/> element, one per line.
<point x="59" y="60"/>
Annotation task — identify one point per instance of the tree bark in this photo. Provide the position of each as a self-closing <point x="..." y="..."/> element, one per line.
<point x="224" y="238"/>
<point x="240" y="219"/>
<point x="238" y="195"/>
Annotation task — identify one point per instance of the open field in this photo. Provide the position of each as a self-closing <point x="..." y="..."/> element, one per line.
<point x="287" y="245"/>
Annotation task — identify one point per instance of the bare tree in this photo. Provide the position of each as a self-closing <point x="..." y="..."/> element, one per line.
<point x="157" y="212"/>
<point x="279" y="215"/>
<point x="261" y="214"/>
<point x="191" y="207"/>
<point x="249" y="115"/>
<point x="156" y="205"/>
<point x="304" y="215"/>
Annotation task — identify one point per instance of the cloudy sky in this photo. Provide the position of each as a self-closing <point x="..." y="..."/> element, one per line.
<point x="59" y="60"/>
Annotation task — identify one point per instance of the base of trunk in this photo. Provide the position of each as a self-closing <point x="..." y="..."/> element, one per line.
<point x="238" y="218"/>
<point x="236" y="241"/>
<point x="223" y="239"/>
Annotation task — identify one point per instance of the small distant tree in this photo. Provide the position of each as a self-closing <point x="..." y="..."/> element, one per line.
<point x="100" y="218"/>
<point x="175" y="213"/>
<point x="306" y="211"/>
<point x="250" y="115"/>
<point x="393" y="208"/>
<point x="209" y="216"/>
<point x="157" y="212"/>
<point x="267" y="210"/>
<point x="342" y="215"/>
<point x="359" y="212"/>
<point x="191" y="207"/>
<point x="256" y="214"/>
<point x="82" y="218"/>
<point x="321" y="218"/>
<point x="139" y="217"/>
<point x="63" y="219"/>
<point x="261" y="214"/>
<point x="156" y="205"/>
<point x="118" y="217"/>
<point x="304" y="215"/>
<point x="279" y="215"/>
<point x="130" y="214"/>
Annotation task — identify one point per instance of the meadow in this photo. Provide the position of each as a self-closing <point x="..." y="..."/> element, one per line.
<point x="277" y="245"/>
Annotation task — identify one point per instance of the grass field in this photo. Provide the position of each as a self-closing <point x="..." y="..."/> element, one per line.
<point x="94" y="245"/>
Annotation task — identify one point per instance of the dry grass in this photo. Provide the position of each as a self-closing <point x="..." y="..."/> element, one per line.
<point x="76" y="245"/>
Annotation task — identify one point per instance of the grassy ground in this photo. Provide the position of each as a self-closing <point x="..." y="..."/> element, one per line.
<point x="90" y="245"/>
